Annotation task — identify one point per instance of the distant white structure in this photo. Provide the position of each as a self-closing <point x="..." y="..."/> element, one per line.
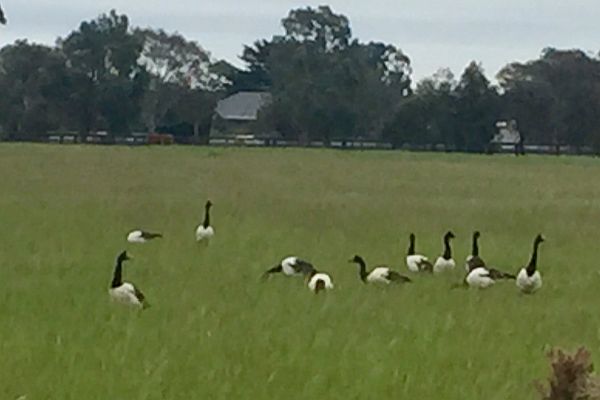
<point x="508" y="138"/>
<point x="508" y="134"/>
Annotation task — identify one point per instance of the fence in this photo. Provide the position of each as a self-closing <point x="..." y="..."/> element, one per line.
<point x="138" y="139"/>
<point x="276" y="142"/>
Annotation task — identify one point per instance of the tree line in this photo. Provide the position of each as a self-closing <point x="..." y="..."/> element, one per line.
<point x="325" y="84"/>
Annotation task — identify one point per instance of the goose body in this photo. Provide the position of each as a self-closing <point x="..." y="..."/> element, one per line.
<point x="204" y="231"/>
<point x="442" y="264"/>
<point x="529" y="279"/>
<point x="320" y="281"/>
<point x="416" y="262"/>
<point x="474" y="261"/>
<point x="445" y="261"/>
<point x="482" y="277"/>
<point x="290" y="266"/>
<point x="380" y="274"/>
<point x="316" y="281"/>
<point x="139" y="236"/>
<point x="479" y="278"/>
<point x="477" y="263"/>
<point x="529" y="284"/>
<point x="125" y="292"/>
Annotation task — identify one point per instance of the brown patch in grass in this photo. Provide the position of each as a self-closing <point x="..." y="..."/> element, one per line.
<point x="572" y="377"/>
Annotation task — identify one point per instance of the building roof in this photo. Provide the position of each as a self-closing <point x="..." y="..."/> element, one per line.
<point x="242" y="106"/>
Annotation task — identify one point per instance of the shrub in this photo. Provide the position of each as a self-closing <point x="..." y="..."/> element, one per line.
<point x="572" y="377"/>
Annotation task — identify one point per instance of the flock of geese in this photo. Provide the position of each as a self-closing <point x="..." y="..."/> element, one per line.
<point x="127" y="292"/>
<point x="477" y="273"/>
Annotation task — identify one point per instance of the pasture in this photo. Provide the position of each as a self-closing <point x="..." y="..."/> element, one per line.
<point x="215" y="331"/>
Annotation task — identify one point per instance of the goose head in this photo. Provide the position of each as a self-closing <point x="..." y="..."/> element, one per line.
<point x="539" y="238"/>
<point x="476" y="235"/>
<point x="449" y="235"/>
<point x="208" y="204"/>
<point x="356" y="260"/>
<point x="123" y="257"/>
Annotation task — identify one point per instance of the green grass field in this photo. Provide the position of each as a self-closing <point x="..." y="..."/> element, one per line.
<point x="215" y="331"/>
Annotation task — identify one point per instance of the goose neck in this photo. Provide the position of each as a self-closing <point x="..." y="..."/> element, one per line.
<point x="447" y="249"/>
<point x="475" y="248"/>
<point x="362" y="269"/>
<point x="411" y="247"/>
<point x="117" y="276"/>
<point x="532" y="266"/>
<point x="206" y="222"/>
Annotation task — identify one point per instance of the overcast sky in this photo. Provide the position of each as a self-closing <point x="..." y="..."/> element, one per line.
<point x="433" y="34"/>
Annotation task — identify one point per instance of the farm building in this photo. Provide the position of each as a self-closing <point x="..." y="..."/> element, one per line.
<point x="507" y="133"/>
<point x="237" y="116"/>
<point x="507" y="137"/>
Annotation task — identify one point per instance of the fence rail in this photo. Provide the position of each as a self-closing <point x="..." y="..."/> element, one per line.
<point x="141" y="139"/>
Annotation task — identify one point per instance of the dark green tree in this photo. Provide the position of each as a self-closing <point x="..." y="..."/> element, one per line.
<point x="109" y="83"/>
<point x="555" y="98"/>
<point x="477" y="110"/>
<point x="256" y="77"/>
<point x="175" y="65"/>
<point x="195" y="107"/>
<point x="428" y="116"/>
<point x="321" y="27"/>
<point x="34" y="84"/>
<point x="324" y="83"/>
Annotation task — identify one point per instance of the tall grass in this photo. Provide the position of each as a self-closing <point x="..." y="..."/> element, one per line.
<point x="215" y="331"/>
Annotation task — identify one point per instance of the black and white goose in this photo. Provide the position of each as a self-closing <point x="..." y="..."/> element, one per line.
<point x="480" y="276"/>
<point x="205" y="231"/>
<point x="316" y="281"/>
<point x="140" y="236"/>
<point x="474" y="251"/>
<point x="474" y="261"/>
<point x="416" y="262"/>
<point x="125" y="292"/>
<point x="289" y="266"/>
<point x="529" y="279"/>
<point x="379" y="274"/>
<point x="445" y="261"/>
